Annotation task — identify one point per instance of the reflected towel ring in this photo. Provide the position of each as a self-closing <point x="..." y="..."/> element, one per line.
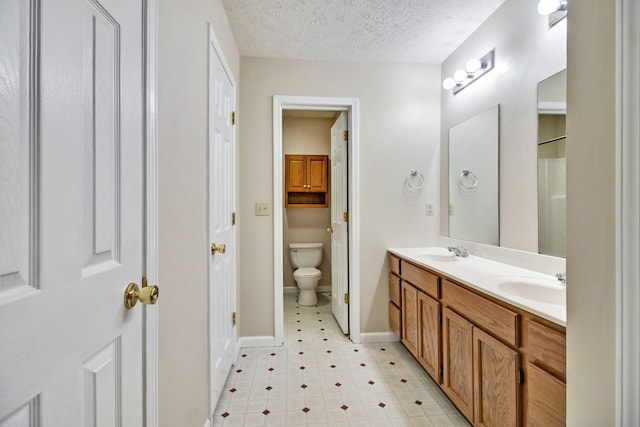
<point x="415" y="181"/>
<point x="473" y="177"/>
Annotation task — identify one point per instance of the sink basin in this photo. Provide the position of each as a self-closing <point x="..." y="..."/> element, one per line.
<point x="439" y="257"/>
<point x="546" y="291"/>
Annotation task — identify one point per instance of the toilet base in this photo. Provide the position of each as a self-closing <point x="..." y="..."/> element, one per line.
<point x="307" y="297"/>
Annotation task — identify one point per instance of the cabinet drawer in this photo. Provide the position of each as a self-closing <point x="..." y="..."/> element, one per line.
<point x="502" y="323"/>
<point x="547" y="347"/>
<point x="546" y="399"/>
<point x="394" y="264"/>
<point x="394" y="289"/>
<point x="395" y="319"/>
<point x="420" y="278"/>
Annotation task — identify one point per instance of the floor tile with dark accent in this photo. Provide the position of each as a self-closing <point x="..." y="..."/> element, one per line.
<point x="320" y="378"/>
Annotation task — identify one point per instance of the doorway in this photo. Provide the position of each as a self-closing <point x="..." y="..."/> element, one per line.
<point x="351" y="107"/>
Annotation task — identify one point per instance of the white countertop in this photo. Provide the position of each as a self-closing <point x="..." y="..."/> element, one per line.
<point x="535" y="292"/>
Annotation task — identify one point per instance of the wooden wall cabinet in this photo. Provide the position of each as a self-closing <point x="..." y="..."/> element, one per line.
<point x="500" y="365"/>
<point x="306" y="181"/>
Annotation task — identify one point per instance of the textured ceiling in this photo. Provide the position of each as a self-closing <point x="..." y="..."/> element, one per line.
<point x="424" y="31"/>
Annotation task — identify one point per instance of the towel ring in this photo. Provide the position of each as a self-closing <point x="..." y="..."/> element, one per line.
<point x="464" y="174"/>
<point x="415" y="181"/>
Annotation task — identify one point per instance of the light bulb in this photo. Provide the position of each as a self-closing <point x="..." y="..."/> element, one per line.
<point x="448" y="83"/>
<point x="547" y="7"/>
<point x="459" y="75"/>
<point x="473" y="65"/>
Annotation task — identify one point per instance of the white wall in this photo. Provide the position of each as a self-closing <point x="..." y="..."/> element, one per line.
<point x="399" y="128"/>
<point x="526" y="52"/>
<point x="305" y="135"/>
<point x="183" y="54"/>
<point x="591" y="214"/>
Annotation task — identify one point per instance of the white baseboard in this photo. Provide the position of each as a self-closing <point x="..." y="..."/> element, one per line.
<point x="207" y="423"/>
<point x="294" y="289"/>
<point x="368" y="337"/>
<point x="265" y="341"/>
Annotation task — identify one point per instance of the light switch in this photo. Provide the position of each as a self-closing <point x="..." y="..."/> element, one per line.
<point x="429" y="211"/>
<point x="262" y="209"/>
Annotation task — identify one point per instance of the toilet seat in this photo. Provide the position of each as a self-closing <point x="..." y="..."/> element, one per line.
<point x="307" y="272"/>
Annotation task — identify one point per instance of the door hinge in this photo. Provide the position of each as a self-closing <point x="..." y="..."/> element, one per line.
<point x="233" y="117"/>
<point x="346" y="298"/>
<point x="345" y="216"/>
<point x="233" y="218"/>
<point x="521" y="379"/>
<point x="441" y="370"/>
<point x="441" y="318"/>
<point x="345" y="135"/>
<point x="234" y="319"/>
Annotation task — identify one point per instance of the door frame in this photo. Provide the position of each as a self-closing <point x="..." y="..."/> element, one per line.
<point x="628" y="214"/>
<point x="150" y="268"/>
<point x="351" y="105"/>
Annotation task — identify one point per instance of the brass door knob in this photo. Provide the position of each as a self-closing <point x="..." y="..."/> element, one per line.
<point x="221" y="248"/>
<point x="330" y="230"/>
<point x="146" y="295"/>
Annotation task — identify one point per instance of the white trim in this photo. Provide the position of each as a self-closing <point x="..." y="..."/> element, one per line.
<point x="219" y="52"/>
<point x="257" y="342"/>
<point x="373" y="337"/>
<point x="352" y="105"/>
<point x="628" y="209"/>
<point x="207" y="423"/>
<point x="150" y="315"/>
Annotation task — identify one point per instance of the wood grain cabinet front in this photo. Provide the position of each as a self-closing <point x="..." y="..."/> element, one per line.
<point x="421" y="328"/>
<point x="546" y="373"/>
<point x="306" y="181"/>
<point x="500" y="365"/>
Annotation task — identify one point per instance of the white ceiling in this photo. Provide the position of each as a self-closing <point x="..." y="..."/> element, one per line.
<point x="423" y="31"/>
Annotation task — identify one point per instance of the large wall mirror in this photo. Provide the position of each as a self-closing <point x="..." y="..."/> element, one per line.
<point x="552" y="165"/>
<point x="473" y="178"/>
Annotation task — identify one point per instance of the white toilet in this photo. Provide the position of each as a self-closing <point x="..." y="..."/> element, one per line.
<point x="304" y="258"/>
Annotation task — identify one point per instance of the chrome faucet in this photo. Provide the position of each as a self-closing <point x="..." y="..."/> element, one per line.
<point x="459" y="251"/>
<point x="562" y="277"/>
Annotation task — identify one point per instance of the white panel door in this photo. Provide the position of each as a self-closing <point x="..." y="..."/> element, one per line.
<point x="71" y="212"/>
<point x="340" y="236"/>
<point x="222" y="267"/>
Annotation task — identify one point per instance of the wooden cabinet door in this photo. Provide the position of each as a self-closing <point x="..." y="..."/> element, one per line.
<point x="546" y="399"/>
<point x="295" y="173"/>
<point x="457" y="355"/>
<point x="496" y="382"/>
<point x="429" y="335"/>
<point x="410" y="317"/>
<point x="317" y="174"/>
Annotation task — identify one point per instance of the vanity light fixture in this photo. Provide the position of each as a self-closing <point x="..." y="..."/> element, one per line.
<point x="555" y="9"/>
<point x="474" y="69"/>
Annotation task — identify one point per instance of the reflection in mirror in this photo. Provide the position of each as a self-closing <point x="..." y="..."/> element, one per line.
<point x="552" y="161"/>
<point x="473" y="179"/>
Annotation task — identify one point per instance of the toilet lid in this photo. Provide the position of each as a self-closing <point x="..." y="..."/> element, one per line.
<point x="307" y="272"/>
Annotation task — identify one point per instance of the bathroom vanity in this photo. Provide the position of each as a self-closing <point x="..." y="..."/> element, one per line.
<point x="490" y="334"/>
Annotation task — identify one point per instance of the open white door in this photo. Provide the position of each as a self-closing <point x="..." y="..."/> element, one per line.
<point x="222" y="264"/>
<point x="339" y="223"/>
<point x="71" y="212"/>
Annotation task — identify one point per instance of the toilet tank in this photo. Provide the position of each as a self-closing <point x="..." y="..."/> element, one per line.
<point x="305" y="254"/>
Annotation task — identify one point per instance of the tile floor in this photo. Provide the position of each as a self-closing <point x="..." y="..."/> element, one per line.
<point x="320" y="378"/>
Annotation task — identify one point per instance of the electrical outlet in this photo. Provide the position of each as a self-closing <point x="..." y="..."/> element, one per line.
<point x="429" y="211"/>
<point x="450" y="209"/>
<point x="262" y="209"/>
